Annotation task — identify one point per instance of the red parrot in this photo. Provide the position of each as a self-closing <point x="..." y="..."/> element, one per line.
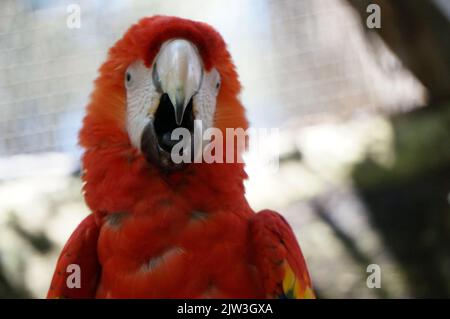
<point x="160" y="229"/>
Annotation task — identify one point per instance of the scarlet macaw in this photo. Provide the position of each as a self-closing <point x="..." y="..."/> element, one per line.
<point x="160" y="229"/>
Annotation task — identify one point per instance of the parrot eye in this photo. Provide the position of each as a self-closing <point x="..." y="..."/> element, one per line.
<point x="128" y="79"/>
<point x="215" y="81"/>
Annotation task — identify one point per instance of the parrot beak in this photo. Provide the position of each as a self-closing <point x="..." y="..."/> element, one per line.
<point x="177" y="75"/>
<point x="178" y="71"/>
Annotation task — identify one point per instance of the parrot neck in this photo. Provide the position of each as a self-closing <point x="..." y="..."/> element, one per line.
<point x="117" y="179"/>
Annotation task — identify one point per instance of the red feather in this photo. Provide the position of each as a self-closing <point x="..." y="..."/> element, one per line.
<point x="81" y="250"/>
<point x="275" y="248"/>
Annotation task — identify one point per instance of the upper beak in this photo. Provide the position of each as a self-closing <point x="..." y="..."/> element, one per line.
<point x="178" y="72"/>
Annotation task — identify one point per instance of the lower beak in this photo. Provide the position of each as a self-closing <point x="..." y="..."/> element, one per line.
<point x="153" y="152"/>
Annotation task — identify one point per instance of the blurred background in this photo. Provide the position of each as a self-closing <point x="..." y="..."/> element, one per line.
<point x="363" y="117"/>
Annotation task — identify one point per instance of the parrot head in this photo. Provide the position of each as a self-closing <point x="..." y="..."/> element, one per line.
<point x="165" y="73"/>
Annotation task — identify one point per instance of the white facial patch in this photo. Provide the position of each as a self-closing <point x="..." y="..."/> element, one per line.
<point x="142" y="100"/>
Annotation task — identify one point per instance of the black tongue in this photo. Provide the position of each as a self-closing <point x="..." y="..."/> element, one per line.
<point x="166" y="142"/>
